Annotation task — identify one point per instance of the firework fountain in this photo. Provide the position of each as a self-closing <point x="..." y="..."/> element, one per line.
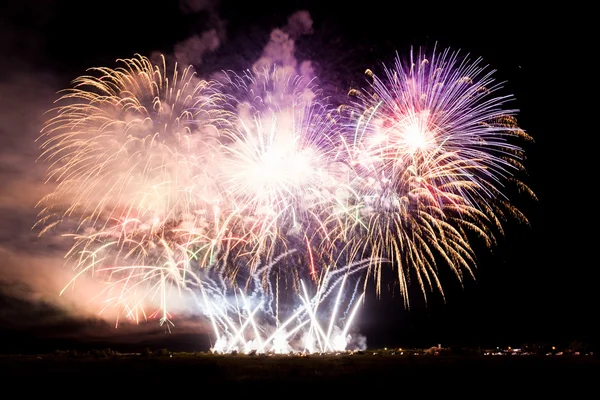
<point x="248" y="192"/>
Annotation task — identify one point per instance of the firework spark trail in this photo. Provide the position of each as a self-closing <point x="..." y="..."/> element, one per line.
<point x="231" y="335"/>
<point x="170" y="184"/>
<point x="352" y="298"/>
<point x="263" y="274"/>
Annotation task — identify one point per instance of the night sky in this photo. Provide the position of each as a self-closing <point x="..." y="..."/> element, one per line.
<point x="536" y="285"/>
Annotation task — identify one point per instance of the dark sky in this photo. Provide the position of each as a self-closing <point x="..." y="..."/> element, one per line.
<point x="536" y="285"/>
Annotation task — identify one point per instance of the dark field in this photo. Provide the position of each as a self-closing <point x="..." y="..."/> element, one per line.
<point x="344" y="371"/>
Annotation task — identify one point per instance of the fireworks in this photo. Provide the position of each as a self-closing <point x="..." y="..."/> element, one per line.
<point x="172" y="184"/>
<point x="257" y="323"/>
<point x="431" y="148"/>
<point x="280" y="166"/>
<point x="131" y="151"/>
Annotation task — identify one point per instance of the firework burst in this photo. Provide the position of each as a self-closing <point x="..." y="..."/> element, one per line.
<point x="131" y="151"/>
<point x="431" y="150"/>
<point x="281" y="165"/>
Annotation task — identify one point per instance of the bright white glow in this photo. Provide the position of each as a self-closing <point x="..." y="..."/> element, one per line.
<point x="415" y="138"/>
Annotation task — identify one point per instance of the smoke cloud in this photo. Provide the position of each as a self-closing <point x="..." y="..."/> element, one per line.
<point x="280" y="49"/>
<point x="196" y="6"/>
<point x="192" y="50"/>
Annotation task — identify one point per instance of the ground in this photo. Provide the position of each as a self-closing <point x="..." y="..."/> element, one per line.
<point x="340" y="371"/>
